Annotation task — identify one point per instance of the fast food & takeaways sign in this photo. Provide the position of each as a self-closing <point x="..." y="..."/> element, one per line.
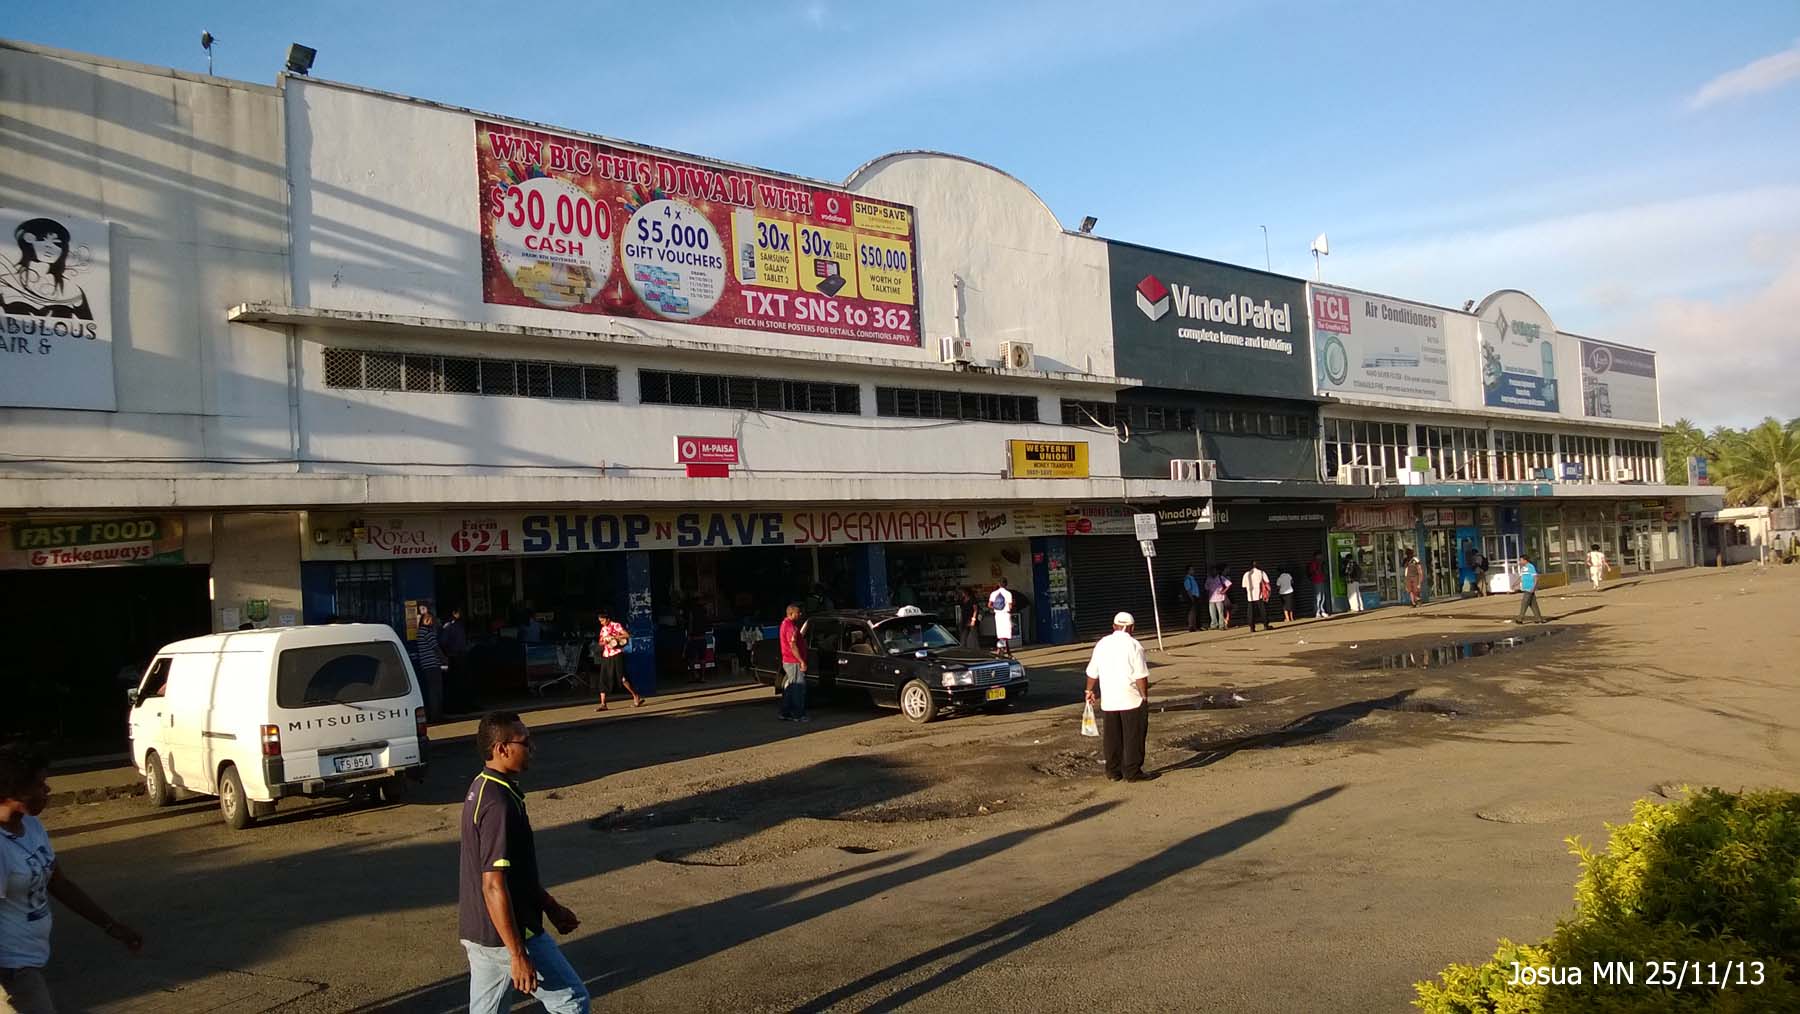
<point x="576" y="225"/>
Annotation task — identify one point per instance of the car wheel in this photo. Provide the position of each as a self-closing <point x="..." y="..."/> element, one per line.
<point x="156" y="785"/>
<point x="392" y="791"/>
<point x="233" y="804"/>
<point x="916" y="702"/>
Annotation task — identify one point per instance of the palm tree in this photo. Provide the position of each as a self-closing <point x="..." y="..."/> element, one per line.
<point x="1757" y="464"/>
<point x="1681" y="441"/>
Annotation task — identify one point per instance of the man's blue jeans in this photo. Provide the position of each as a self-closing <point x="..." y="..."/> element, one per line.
<point x="793" y="696"/>
<point x="560" y="990"/>
<point x="1321" y="604"/>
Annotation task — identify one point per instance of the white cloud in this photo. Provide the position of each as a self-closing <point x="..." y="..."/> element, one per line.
<point x="815" y="13"/>
<point x="1753" y="78"/>
<point x="1729" y="361"/>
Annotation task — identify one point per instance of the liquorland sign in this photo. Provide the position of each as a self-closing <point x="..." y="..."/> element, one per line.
<point x="1205" y="326"/>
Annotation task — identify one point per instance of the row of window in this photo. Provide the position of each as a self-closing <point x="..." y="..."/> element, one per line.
<point x="1462" y="454"/>
<point x="357" y="369"/>
<point x="1167" y="418"/>
<point x="514" y="378"/>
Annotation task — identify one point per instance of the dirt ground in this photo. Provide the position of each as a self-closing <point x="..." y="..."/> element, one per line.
<point x="1343" y="807"/>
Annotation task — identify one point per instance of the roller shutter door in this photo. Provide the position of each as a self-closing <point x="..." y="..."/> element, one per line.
<point x="1106" y="575"/>
<point x="1276" y="550"/>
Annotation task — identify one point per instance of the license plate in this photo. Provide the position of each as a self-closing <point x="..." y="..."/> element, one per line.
<point x="997" y="694"/>
<point x="354" y="762"/>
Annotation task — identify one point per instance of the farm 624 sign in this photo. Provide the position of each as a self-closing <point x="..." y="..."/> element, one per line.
<point x="570" y="224"/>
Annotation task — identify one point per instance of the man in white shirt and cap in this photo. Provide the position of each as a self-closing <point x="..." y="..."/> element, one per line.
<point x="1119" y="678"/>
<point x="1000" y="600"/>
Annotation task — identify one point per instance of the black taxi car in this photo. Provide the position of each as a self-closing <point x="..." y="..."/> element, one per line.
<point x="908" y="661"/>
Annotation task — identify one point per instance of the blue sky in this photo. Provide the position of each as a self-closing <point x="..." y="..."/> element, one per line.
<point x="1634" y="166"/>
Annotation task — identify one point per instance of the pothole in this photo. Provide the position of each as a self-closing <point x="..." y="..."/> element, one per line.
<point x="858" y="850"/>
<point x="1067" y="764"/>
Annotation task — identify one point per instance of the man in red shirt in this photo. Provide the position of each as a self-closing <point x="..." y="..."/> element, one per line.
<point x="613" y="639"/>
<point x="793" y="668"/>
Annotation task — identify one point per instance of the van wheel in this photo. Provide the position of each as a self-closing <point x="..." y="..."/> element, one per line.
<point x="392" y="791"/>
<point x="916" y="703"/>
<point x="233" y="804"/>
<point x="156" y="785"/>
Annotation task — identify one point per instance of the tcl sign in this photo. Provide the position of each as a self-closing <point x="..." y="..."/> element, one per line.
<point x="706" y="450"/>
<point x="1331" y="311"/>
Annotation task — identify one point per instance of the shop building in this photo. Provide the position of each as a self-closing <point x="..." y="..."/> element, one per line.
<point x="1472" y="432"/>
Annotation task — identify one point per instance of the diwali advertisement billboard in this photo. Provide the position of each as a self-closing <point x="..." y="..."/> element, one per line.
<point x="585" y="227"/>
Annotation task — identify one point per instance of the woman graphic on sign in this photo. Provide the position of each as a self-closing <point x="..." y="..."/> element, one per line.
<point x="37" y="285"/>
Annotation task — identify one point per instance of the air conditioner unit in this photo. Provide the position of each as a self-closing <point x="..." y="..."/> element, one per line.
<point x="956" y="350"/>
<point x="1358" y="475"/>
<point x="1193" y="470"/>
<point x="1623" y="475"/>
<point x="1018" y="356"/>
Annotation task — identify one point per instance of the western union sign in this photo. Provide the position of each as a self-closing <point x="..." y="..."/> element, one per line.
<point x="1039" y="459"/>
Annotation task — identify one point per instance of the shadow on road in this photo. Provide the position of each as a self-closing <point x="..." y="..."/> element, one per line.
<point x="993" y="944"/>
<point x="617" y="957"/>
<point x="1306" y="727"/>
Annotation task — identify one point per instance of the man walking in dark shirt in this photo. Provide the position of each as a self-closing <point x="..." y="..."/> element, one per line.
<point x="501" y="902"/>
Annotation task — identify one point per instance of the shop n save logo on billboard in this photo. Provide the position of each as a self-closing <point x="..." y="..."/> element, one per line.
<point x="587" y="227"/>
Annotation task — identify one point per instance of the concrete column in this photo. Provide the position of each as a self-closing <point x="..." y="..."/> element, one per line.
<point x="869" y="568"/>
<point x="640" y="621"/>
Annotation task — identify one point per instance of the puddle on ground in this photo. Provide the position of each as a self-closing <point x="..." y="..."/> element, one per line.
<point x="1450" y="654"/>
<point x="1205" y="702"/>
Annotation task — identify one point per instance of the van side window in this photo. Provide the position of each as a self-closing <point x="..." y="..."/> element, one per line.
<point x="156" y="680"/>
<point x="340" y="674"/>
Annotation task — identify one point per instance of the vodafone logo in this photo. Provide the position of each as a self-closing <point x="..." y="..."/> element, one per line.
<point x="689" y="450"/>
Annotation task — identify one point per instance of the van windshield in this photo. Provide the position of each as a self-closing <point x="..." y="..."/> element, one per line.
<point x="340" y="674"/>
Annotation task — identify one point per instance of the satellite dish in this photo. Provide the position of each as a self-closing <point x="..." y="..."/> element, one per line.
<point x="1321" y="245"/>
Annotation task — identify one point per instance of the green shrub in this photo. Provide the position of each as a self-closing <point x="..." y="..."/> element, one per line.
<point x="1712" y="879"/>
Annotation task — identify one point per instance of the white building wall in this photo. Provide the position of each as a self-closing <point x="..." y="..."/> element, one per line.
<point x="255" y="557"/>
<point x="189" y="171"/>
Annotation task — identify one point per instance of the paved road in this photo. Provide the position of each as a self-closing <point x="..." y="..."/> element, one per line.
<point x="1358" y="823"/>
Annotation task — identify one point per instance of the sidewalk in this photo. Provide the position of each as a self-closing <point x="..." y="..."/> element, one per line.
<point x="544" y="713"/>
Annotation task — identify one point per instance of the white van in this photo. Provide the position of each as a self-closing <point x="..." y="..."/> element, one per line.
<point x="257" y="715"/>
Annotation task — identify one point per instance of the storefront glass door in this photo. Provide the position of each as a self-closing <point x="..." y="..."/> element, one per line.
<point x="1442" y="557"/>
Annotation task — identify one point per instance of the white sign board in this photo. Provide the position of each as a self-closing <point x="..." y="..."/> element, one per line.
<point x="1379" y="347"/>
<point x="1145" y="525"/>
<point x="55" y="311"/>
<point x="1149" y="548"/>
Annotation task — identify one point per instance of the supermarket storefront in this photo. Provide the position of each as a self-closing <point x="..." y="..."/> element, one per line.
<point x="675" y="575"/>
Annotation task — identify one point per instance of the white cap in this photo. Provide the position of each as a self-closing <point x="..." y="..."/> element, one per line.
<point x="1123" y="620"/>
<point x="910" y="611"/>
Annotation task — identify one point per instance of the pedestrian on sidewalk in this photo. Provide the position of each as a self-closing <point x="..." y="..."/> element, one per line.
<point x="29" y="877"/>
<point x="1321" y="585"/>
<point x="1000" y="600"/>
<point x="430" y="657"/>
<point x="1481" y="573"/>
<point x="1218" y="598"/>
<point x="1415" y="578"/>
<point x="612" y="642"/>
<point x="1353" y="579"/>
<point x="971" y="628"/>
<point x="793" y="667"/>
<point x="1118" y="677"/>
<point x="1256" y="591"/>
<point x="1596" y="561"/>
<point x="501" y="901"/>
<point x="459" y="688"/>
<point x="1191" y="593"/>
<point x="1284" y="586"/>
<point x="1528" y="589"/>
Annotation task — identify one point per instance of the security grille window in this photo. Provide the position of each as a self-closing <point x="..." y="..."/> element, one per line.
<point x="1639" y="460"/>
<point x="1263" y="424"/>
<point x="1383" y="445"/>
<point x="1592" y="454"/>
<point x="1162" y="418"/>
<point x="917" y="403"/>
<point x="1521" y="455"/>
<point x="355" y="369"/>
<point x="1456" y="453"/>
<point x="1089" y="413"/>
<point x="756" y="394"/>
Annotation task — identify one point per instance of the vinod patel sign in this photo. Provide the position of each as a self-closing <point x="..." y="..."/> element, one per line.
<point x="1205" y="326"/>
<point x="441" y="535"/>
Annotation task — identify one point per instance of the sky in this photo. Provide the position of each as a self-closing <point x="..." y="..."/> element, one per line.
<point x="1634" y="166"/>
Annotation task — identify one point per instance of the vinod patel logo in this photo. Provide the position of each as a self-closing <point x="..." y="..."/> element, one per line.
<point x="1153" y="297"/>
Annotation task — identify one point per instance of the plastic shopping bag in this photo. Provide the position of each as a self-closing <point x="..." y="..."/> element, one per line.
<point x="1089" y="726"/>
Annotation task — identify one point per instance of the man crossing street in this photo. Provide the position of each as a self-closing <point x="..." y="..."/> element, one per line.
<point x="1119" y="678"/>
<point x="1528" y="589"/>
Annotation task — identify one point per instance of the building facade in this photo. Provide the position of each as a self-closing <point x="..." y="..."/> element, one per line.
<point x="286" y="354"/>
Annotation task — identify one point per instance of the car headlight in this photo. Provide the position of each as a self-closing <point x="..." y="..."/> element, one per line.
<point x="949" y="679"/>
<point x="966" y="678"/>
<point x="1015" y="671"/>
